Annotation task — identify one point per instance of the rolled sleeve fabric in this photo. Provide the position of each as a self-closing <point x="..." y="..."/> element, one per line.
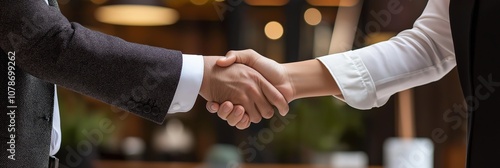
<point x="367" y="77"/>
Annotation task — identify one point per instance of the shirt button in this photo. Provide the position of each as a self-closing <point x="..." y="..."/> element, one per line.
<point x="176" y="106"/>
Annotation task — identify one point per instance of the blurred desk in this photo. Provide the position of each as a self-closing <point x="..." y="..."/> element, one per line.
<point x="138" y="164"/>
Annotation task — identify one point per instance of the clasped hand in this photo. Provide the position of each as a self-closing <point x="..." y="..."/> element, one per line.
<point x="247" y="90"/>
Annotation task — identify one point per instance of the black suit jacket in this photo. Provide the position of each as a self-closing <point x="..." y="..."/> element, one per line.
<point x="476" y="33"/>
<point x="137" y="78"/>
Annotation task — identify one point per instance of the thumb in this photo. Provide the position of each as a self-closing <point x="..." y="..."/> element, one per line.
<point x="247" y="57"/>
<point x="226" y="61"/>
<point x="212" y="107"/>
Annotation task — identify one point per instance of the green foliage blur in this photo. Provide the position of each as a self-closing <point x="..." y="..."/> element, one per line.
<point x="323" y="124"/>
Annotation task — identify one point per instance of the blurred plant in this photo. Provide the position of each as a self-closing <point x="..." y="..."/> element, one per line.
<point x="77" y="116"/>
<point x="323" y="124"/>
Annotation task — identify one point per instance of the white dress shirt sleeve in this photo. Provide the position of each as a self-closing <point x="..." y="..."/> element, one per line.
<point x="367" y="77"/>
<point x="56" y="137"/>
<point x="189" y="84"/>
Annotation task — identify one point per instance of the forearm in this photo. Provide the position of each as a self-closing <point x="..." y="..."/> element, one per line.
<point x="311" y="79"/>
<point x="137" y="78"/>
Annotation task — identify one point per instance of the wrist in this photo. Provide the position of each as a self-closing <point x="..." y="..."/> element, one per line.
<point x="208" y="64"/>
<point x="288" y="69"/>
<point x="310" y="79"/>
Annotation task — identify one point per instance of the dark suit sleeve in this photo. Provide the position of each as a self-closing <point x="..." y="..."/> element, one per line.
<point x="137" y="78"/>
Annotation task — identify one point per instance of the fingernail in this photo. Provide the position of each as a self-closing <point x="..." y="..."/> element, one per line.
<point x="227" y="110"/>
<point x="238" y="112"/>
<point x="213" y="107"/>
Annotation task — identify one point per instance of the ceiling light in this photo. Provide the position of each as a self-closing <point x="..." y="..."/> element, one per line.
<point x="344" y="3"/>
<point x="267" y="2"/>
<point x="312" y="16"/>
<point x="199" y="2"/>
<point x="136" y="13"/>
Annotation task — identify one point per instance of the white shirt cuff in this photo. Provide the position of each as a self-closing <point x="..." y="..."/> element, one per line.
<point x="189" y="84"/>
<point x="353" y="79"/>
<point x="55" y="139"/>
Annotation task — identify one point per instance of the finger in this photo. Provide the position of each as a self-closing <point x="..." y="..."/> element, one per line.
<point x="248" y="124"/>
<point x="265" y="108"/>
<point x="247" y="57"/>
<point x="226" y="106"/>
<point x="228" y="60"/>
<point x="259" y="102"/>
<point x="225" y="109"/>
<point x="244" y="123"/>
<point x="246" y="100"/>
<point x="212" y="107"/>
<point x="253" y="113"/>
<point x="275" y="97"/>
<point x="235" y="116"/>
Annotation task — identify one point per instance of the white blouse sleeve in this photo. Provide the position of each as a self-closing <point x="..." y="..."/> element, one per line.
<point x="367" y="77"/>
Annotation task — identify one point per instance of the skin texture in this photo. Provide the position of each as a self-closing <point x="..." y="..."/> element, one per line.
<point x="240" y="85"/>
<point x="296" y="80"/>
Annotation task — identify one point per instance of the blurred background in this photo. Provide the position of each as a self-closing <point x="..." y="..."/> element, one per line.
<point x="316" y="131"/>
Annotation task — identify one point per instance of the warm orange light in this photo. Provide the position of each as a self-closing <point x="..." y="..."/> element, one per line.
<point x="199" y="2"/>
<point x="312" y="16"/>
<point x="273" y="30"/>
<point x="345" y="3"/>
<point x="137" y="15"/>
<point x="266" y="2"/>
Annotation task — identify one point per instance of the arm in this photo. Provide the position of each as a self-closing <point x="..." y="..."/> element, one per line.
<point x="138" y="78"/>
<point x="310" y="79"/>
<point x="51" y="48"/>
<point x="294" y="80"/>
<point x="367" y="77"/>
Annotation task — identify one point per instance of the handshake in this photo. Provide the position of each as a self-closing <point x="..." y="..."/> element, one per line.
<point x="243" y="87"/>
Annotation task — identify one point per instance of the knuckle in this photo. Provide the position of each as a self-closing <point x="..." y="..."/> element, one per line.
<point x="254" y="91"/>
<point x="250" y="50"/>
<point x="251" y="88"/>
<point x="222" y="115"/>
<point x="244" y="99"/>
<point x="240" y="108"/>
